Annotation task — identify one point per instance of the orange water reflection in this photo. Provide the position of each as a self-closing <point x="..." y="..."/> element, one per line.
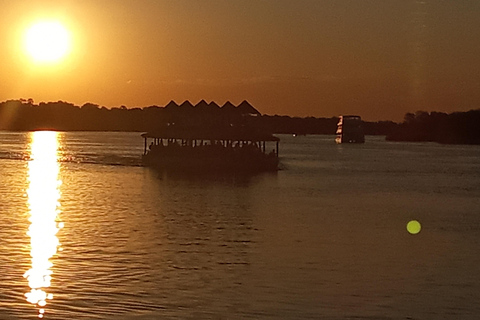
<point x="43" y="199"/>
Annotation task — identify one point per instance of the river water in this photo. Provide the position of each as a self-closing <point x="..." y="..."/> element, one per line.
<point x="87" y="233"/>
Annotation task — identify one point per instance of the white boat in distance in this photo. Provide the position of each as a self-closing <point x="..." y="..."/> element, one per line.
<point x="350" y="130"/>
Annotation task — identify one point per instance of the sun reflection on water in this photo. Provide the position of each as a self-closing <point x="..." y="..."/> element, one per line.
<point x="43" y="199"/>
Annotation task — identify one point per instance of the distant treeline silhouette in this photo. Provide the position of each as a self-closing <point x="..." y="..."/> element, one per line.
<point x="25" y="115"/>
<point x="453" y="128"/>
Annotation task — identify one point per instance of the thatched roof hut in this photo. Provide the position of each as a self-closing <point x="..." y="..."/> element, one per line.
<point x="246" y="108"/>
<point x="186" y="105"/>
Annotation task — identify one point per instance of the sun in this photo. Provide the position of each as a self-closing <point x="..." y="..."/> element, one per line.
<point x="47" y="41"/>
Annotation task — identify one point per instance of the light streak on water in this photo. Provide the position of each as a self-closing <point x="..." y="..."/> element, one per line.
<point x="43" y="199"/>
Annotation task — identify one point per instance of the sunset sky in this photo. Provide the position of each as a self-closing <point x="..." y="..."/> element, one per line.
<point x="376" y="58"/>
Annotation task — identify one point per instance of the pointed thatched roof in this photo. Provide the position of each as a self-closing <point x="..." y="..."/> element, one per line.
<point x="201" y="105"/>
<point x="229" y="108"/>
<point x="228" y="105"/>
<point x="171" y="105"/>
<point x="186" y="104"/>
<point x="213" y="105"/>
<point x="212" y="109"/>
<point x="247" y="108"/>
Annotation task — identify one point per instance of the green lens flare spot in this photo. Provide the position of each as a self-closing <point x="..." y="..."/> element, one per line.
<point x="414" y="227"/>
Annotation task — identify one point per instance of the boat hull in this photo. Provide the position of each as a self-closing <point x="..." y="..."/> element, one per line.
<point x="245" y="163"/>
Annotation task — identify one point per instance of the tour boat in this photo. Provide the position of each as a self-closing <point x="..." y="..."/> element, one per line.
<point x="211" y="149"/>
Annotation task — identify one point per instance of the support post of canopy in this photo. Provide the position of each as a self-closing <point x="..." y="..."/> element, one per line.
<point x="145" y="147"/>
<point x="277" y="149"/>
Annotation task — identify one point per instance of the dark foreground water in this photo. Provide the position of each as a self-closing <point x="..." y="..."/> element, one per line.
<point x="86" y="233"/>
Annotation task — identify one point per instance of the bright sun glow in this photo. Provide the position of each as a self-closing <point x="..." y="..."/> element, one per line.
<point x="47" y="41"/>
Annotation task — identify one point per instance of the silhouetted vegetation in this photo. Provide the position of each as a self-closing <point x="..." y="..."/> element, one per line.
<point x="453" y="128"/>
<point x="24" y="115"/>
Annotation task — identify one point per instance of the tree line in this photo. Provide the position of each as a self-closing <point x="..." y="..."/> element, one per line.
<point x="25" y="115"/>
<point x="453" y="128"/>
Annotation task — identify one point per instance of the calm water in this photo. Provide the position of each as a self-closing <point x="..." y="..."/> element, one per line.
<point x="87" y="233"/>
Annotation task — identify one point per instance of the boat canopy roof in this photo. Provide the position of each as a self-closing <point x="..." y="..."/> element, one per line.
<point x="351" y="117"/>
<point x="242" y="133"/>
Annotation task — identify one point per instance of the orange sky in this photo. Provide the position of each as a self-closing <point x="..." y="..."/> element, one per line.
<point x="376" y="58"/>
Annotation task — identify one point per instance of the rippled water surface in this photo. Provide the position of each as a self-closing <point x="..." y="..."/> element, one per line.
<point x="87" y="233"/>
